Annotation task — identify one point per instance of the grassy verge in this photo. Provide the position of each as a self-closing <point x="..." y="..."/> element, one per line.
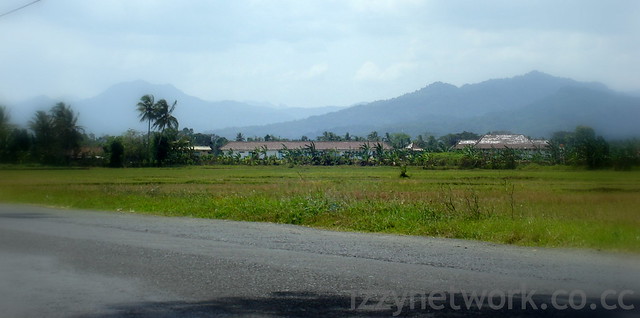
<point x="585" y="209"/>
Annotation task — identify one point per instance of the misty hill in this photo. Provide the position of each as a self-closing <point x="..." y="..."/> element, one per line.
<point x="536" y="104"/>
<point x="114" y="111"/>
<point x="611" y="114"/>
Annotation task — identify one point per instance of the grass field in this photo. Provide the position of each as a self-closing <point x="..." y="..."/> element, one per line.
<point x="541" y="207"/>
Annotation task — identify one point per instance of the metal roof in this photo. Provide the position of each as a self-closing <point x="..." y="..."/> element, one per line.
<point x="504" y="141"/>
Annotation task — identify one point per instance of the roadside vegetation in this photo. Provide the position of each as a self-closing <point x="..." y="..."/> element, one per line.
<point x="549" y="206"/>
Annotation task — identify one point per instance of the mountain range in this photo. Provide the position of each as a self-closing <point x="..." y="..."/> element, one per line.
<point x="535" y="104"/>
<point x="113" y="111"/>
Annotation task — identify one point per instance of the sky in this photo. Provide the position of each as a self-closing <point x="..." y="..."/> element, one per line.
<point x="310" y="53"/>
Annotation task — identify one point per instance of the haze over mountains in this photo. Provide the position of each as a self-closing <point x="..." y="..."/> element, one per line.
<point x="535" y="104"/>
<point x="114" y="111"/>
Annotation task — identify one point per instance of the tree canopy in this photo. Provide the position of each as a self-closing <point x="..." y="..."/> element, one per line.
<point x="164" y="115"/>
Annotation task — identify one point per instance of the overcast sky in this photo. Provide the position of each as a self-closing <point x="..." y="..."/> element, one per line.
<point x="307" y="52"/>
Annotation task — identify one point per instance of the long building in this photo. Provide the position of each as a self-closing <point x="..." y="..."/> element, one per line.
<point x="275" y="148"/>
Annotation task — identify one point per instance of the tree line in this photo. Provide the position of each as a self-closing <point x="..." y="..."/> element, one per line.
<point x="54" y="138"/>
<point x="163" y="144"/>
<point x="581" y="147"/>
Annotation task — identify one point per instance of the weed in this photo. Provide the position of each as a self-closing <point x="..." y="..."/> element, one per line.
<point x="510" y="189"/>
<point x="403" y="171"/>
<point x="447" y="198"/>
<point x="472" y="201"/>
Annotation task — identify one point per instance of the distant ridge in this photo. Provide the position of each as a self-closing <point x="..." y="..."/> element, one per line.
<point x="113" y="111"/>
<point x="536" y="104"/>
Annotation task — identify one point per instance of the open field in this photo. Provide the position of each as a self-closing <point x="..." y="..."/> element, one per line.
<point x="545" y="207"/>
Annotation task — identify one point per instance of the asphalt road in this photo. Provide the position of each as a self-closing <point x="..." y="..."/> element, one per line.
<point x="68" y="263"/>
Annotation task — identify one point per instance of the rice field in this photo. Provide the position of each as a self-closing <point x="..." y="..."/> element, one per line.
<point x="552" y="207"/>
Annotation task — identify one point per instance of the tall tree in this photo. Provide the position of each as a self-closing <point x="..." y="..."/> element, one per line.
<point x="581" y="147"/>
<point x="558" y="144"/>
<point x="66" y="129"/>
<point x="44" y="138"/>
<point x="116" y="153"/>
<point x="432" y="144"/>
<point x="135" y="149"/>
<point x="450" y="140"/>
<point x="420" y="142"/>
<point x="147" y="112"/>
<point x="57" y="136"/>
<point x="216" y="143"/>
<point x="18" y="145"/>
<point x="164" y="117"/>
<point x="589" y="149"/>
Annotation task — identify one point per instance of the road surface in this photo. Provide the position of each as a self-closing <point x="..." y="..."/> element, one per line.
<point x="69" y="263"/>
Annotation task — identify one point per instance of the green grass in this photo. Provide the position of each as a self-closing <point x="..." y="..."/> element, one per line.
<point x="539" y="207"/>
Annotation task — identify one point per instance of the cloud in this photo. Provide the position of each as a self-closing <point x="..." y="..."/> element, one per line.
<point x="316" y="70"/>
<point x="384" y="6"/>
<point x="369" y="71"/>
<point x="314" y="52"/>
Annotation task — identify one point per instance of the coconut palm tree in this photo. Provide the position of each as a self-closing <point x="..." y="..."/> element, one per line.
<point x="146" y="108"/>
<point x="66" y="129"/>
<point x="163" y="115"/>
<point x="57" y="134"/>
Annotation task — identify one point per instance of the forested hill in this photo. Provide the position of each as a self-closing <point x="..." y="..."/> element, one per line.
<point x="536" y="104"/>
